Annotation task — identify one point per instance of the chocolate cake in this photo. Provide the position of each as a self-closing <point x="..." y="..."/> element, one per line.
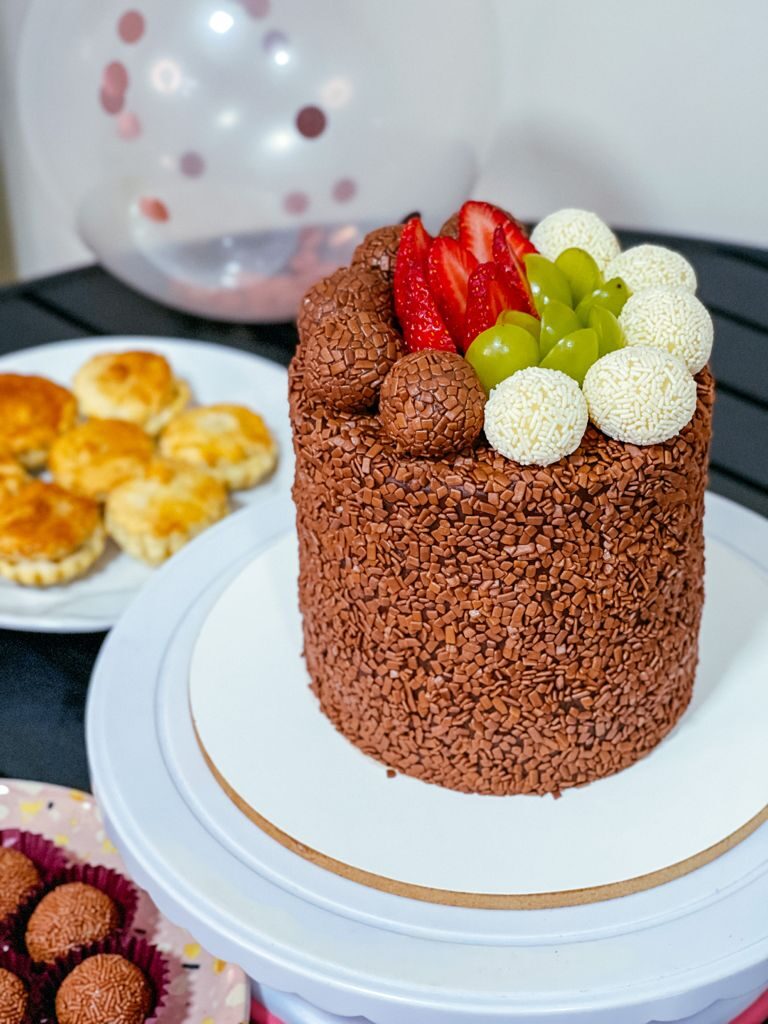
<point x="472" y="621"/>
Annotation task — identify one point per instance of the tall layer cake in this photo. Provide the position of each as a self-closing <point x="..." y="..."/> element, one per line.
<point x="499" y="596"/>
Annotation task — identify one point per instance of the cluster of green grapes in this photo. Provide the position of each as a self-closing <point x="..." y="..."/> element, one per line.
<point x="579" y="321"/>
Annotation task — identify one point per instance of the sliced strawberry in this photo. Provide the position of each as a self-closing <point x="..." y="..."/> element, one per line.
<point x="413" y="248"/>
<point x="423" y="327"/>
<point x="513" y="271"/>
<point x="448" y="270"/>
<point x="477" y="224"/>
<point x="489" y="294"/>
<point x="518" y="239"/>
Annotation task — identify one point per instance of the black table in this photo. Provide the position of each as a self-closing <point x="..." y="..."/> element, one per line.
<point x="44" y="678"/>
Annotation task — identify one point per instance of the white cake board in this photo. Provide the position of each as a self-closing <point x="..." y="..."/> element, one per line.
<point x="663" y="954"/>
<point x="704" y="787"/>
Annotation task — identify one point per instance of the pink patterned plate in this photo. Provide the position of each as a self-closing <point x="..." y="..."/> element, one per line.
<point x="203" y="990"/>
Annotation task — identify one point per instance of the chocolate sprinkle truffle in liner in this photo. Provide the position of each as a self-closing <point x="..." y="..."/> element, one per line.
<point x="69" y="915"/>
<point x="495" y="628"/>
<point x="14" y="998"/>
<point x="104" y="989"/>
<point x="18" y="880"/>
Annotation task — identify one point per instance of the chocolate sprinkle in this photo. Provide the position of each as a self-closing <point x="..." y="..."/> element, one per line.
<point x="432" y="403"/>
<point x="378" y="250"/>
<point x="104" y="989"/>
<point x="347" y="290"/>
<point x="495" y="628"/>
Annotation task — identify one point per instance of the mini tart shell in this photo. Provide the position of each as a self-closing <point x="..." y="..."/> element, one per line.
<point x="33" y="412"/>
<point x="47" y="535"/>
<point x="154" y="516"/>
<point x="229" y="441"/>
<point x="136" y="386"/>
<point x="94" y="457"/>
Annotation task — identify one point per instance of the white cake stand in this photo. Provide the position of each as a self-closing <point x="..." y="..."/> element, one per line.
<point x="668" y="953"/>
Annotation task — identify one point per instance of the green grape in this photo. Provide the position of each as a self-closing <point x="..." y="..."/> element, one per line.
<point x="517" y="318"/>
<point x="557" y="320"/>
<point x="574" y="354"/>
<point x="497" y="353"/>
<point x="609" y="333"/>
<point x="547" y="282"/>
<point x="612" y="295"/>
<point x="581" y="270"/>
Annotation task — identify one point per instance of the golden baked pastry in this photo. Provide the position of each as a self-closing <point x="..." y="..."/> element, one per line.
<point x="48" y="535"/>
<point x="96" y="456"/>
<point x="153" y="516"/>
<point x="229" y="441"/>
<point x="33" y="412"/>
<point x="136" y="386"/>
<point x="12" y="473"/>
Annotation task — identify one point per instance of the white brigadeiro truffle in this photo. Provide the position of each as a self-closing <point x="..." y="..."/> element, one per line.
<point x="536" y="416"/>
<point x="579" y="229"/>
<point x="640" y="395"/>
<point x="672" y="319"/>
<point x="645" y="266"/>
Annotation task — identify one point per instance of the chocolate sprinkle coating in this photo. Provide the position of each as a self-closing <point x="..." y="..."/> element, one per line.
<point x="378" y="250"/>
<point x="104" y="989"/>
<point x="432" y="403"/>
<point x="13" y="998"/>
<point x="495" y="628"/>
<point x="68" y="916"/>
<point x="347" y="290"/>
<point x="451" y="227"/>
<point x="18" y="879"/>
<point x="347" y="358"/>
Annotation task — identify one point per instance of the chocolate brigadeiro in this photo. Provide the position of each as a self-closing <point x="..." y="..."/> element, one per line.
<point x="14" y="998"/>
<point x="104" y="989"/>
<point x="18" y="879"/>
<point x="68" y="916"/>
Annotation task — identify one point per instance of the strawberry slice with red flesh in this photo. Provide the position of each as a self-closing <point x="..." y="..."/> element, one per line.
<point x="448" y="270"/>
<point x="489" y="294"/>
<point x="414" y="246"/>
<point x="513" y="271"/>
<point x="423" y="327"/>
<point x="477" y="224"/>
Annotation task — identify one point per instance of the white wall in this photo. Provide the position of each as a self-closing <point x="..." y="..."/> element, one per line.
<point x="652" y="112"/>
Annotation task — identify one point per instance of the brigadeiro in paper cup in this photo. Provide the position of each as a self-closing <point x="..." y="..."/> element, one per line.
<point x="80" y="905"/>
<point x="27" y="863"/>
<point x="119" y="978"/>
<point x="19" y="989"/>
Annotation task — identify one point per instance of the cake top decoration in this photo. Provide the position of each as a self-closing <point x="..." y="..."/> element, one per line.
<point x="644" y="266"/>
<point x="640" y="395"/>
<point x="672" y="319"/>
<point x="570" y="228"/>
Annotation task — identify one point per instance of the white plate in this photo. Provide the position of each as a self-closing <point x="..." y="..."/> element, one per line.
<point x="665" y="953"/>
<point x="216" y="374"/>
<point x="257" y="721"/>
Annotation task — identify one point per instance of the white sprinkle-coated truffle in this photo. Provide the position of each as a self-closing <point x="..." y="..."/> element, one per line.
<point x="645" y="266"/>
<point x="640" y="395"/>
<point x="536" y="416"/>
<point x="581" y="229"/>
<point x="671" y="319"/>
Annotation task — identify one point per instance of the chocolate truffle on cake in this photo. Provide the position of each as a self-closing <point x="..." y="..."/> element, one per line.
<point x="104" y="989"/>
<point x="13" y="998"/>
<point x="347" y="290"/>
<point x="451" y="227"/>
<point x="18" y="879"/>
<point x="432" y="403"/>
<point x="378" y="250"/>
<point x="69" y="916"/>
<point x="347" y="358"/>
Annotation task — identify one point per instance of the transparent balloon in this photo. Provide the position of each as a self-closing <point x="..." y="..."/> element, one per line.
<point x="220" y="155"/>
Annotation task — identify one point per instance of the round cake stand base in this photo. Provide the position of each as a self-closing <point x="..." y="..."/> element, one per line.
<point x="666" y="954"/>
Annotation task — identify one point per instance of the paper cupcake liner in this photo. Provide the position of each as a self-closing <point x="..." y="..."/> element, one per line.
<point x="23" y="968"/>
<point x="122" y="892"/>
<point x="49" y="860"/>
<point x="146" y="957"/>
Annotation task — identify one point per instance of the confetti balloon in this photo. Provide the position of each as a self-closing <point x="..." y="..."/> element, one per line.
<point x="221" y="155"/>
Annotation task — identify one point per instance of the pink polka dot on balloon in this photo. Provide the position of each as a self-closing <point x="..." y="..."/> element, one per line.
<point x="154" y="209"/>
<point x="344" y="190"/>
<point x="130" y="27"/>
<point x="111" y="102"/>
<point x="311" y="122"/>
<point x="192" y="164"/>
<point x="296" y="202"/>
<point x="257" y="8"/>
<point x="115" y="78"/>
<point x="128" y="126"/>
